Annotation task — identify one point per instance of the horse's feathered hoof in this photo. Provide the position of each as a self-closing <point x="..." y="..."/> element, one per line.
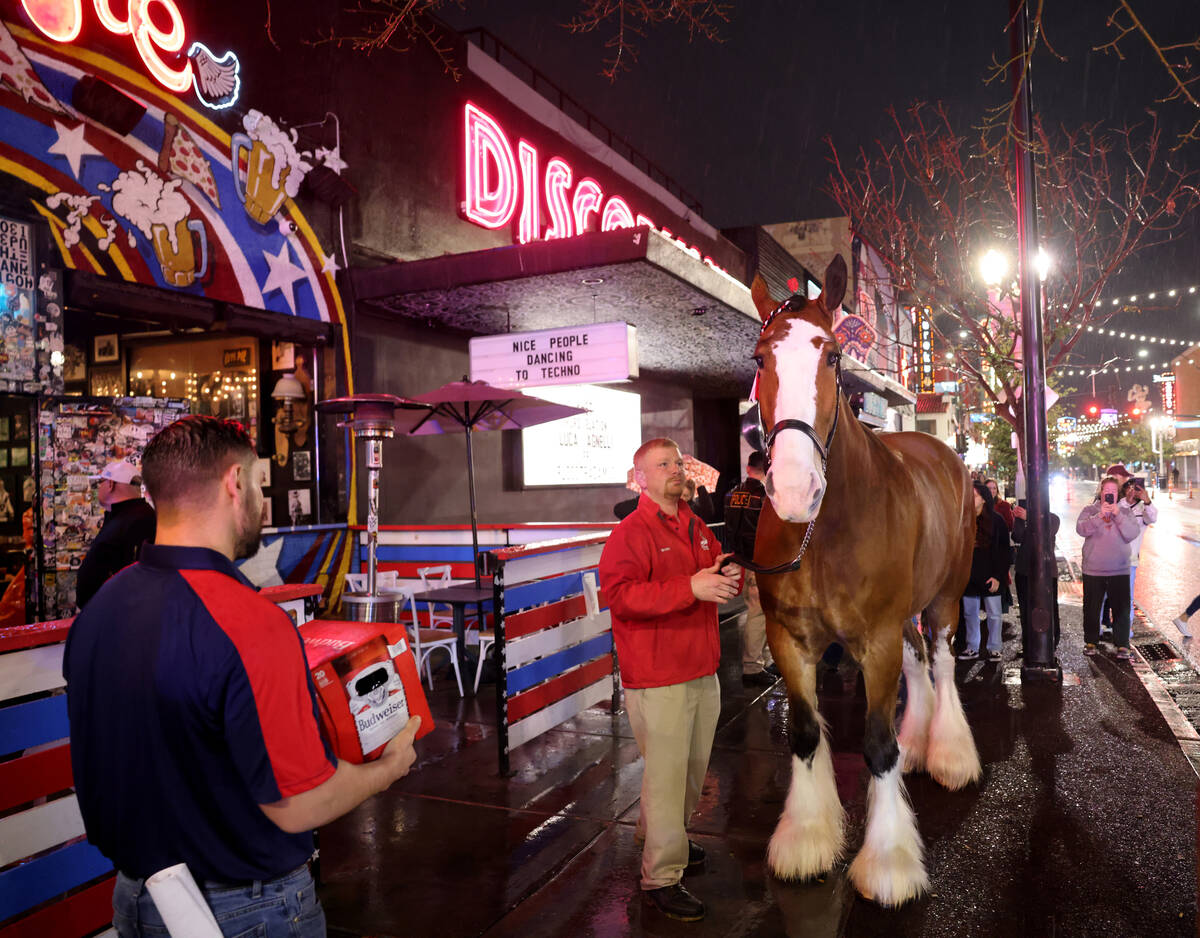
<point x="802" y="849"/>
<point x="891" y="878"/>
<point x="912" y="754"/>
<point x="954" y="767"/>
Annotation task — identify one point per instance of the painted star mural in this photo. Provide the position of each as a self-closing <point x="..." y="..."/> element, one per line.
<point x="263" y="568"/>
<point x="282" y="275"/>
<point x="72" y="146"/>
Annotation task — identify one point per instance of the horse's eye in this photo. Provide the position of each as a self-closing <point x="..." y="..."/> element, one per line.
<point x="832" y="358"/>
<point x="758" y="362"/>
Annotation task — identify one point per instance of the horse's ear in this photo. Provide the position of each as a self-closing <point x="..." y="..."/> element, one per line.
<point x="834" y="290"/>
<point x="762" y="297"/>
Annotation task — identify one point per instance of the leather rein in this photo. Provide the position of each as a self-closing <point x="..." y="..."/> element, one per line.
<point x="792" y="423"/>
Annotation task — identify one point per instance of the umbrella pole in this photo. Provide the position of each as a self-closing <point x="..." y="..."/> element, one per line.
<point x="374" y="464"/>
<point x="474" y="515"/>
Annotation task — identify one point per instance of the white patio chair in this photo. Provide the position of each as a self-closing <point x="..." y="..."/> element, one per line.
<point x="433" y="578"/>
<point x="384" y="580"/>
<point x="425" y="641"/>
<point x="486" y="640"/>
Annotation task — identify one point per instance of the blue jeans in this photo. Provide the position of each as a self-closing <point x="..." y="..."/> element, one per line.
<point x="286" y="907"/>
<point x="991" y="603"/>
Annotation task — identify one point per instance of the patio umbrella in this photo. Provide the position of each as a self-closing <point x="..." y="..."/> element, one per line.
<point x="476" y="405"/>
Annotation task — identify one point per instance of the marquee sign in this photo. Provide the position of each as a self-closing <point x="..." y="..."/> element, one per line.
<point x="499" y="186"/>
<point x="1168" y="391"/>
<point x="590" y="354"/>
<point x="923" y="316"/>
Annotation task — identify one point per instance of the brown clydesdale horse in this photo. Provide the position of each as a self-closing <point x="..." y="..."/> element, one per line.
<point x="896" y="533"/>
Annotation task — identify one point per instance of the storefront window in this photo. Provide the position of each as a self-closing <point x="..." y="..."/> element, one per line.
<point x="218" y="377"/>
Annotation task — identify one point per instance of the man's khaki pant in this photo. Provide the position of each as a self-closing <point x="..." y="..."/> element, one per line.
<point x="755" y="653"/>
<point x="674" y="728"/>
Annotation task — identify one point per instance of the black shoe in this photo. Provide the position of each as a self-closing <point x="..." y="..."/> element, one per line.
<point x="695" y="856"/>
<point x="772" y="670"/>
<point x="676" y="902"/>
<point x="758" y="678"/>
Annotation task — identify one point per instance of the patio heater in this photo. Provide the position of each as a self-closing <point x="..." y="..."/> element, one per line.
<point x="372" y="418"/>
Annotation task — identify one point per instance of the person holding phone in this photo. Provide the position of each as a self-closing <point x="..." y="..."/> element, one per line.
<point x="1134" y="494"/>
<point x="1107" y="527"/>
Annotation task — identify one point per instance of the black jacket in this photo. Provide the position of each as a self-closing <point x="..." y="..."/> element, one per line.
<point x="127" y="526"/>
<point x="991" y="561"/>
<point x="743" y="505"/>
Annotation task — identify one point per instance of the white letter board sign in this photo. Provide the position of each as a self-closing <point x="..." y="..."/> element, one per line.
<point x="590" y="354"/>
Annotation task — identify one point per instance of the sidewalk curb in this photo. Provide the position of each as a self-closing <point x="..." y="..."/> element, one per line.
<point x="1164" y="694"/>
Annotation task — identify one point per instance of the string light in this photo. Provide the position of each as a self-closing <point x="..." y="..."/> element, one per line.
<point x="1172" y="293"/>
<point x="1085" y="372"/>
<point x="1138" y="337"/>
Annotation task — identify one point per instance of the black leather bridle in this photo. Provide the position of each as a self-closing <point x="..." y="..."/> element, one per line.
<point x="757" y="435"/>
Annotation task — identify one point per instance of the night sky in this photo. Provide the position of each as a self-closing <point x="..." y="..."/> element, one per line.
<point x="740" y="124"/>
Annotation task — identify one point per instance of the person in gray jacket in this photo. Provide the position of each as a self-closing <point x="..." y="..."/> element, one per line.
<point x="1107" y="527"/>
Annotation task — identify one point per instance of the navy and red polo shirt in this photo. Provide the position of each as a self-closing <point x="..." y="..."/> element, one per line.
<point x="190" y="705"/>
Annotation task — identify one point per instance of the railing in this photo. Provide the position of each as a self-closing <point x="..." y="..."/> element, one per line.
<point x="539" y="82"/>
<point x="554" y="647"/>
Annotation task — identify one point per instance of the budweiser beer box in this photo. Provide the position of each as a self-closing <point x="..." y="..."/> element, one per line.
<point x="367" y="684"/>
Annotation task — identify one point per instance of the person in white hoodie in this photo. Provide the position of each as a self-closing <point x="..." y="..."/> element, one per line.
<point x="1134" y="494"/>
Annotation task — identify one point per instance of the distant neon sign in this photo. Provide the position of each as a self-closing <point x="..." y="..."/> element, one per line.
<point x="499" y="187"/>
<point x="157" y="30"/>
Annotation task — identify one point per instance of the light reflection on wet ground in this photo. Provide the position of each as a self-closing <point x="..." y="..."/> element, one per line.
<point x="1084" y="823"/>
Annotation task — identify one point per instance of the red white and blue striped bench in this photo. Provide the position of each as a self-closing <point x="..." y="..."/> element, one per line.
<point x="52" y="881"/>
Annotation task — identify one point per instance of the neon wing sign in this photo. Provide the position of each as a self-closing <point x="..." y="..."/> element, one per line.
<point x="159" y="34"/>
<point x="499" y="187"/>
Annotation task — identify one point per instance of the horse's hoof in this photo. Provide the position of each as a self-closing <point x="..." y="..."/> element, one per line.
<point x="954" y="767"/>
<point x="802" y="850"/>
<point x="891" y="878"/>
<point x="912" y="754"/>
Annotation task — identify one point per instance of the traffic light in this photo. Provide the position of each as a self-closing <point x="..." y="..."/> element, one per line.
<point x="1135" y="412"/>
<point x="1093" y="410"/>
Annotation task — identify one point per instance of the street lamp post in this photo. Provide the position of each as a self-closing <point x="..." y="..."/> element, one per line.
<point x="1040" y="662"/>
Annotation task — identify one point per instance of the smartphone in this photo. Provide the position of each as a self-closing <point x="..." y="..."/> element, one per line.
<point x="1110" y="498"/>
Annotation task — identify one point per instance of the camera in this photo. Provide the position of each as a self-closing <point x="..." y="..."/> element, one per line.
<point x="1110" y="498"/>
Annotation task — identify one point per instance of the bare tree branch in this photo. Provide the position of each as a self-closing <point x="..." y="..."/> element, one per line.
<point x="396" y="26"/>
<point x="1173" y="58"/>
<point x="933" y="200"/>
<point x="701" y="17"/>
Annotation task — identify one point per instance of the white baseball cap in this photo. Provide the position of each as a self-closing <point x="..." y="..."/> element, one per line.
<point x="122" y="471"/>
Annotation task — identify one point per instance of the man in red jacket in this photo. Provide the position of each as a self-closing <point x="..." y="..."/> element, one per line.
<point x="661" y="573"/>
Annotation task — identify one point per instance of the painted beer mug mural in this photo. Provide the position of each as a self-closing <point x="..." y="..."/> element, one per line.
<point x="161" y="213"/>
<point x="275" y="168"/>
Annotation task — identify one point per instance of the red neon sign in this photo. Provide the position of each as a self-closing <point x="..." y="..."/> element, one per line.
<point x="558" y="181"/>
<point x="497" y="185"/>
<point x="62" y="20"/>
<point x="530" y="225"/>
<point x="491" y="172"/>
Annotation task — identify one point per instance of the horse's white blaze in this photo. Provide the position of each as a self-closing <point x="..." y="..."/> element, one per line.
<point x="796" y="477"/>
<point x="918" y="711"/>
<point x="890" y="867"/>
<point x="808" y="839"/>
<point x="951" y="758"/>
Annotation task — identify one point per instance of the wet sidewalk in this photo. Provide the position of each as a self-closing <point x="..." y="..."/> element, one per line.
<point x="1084" y="822"/>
